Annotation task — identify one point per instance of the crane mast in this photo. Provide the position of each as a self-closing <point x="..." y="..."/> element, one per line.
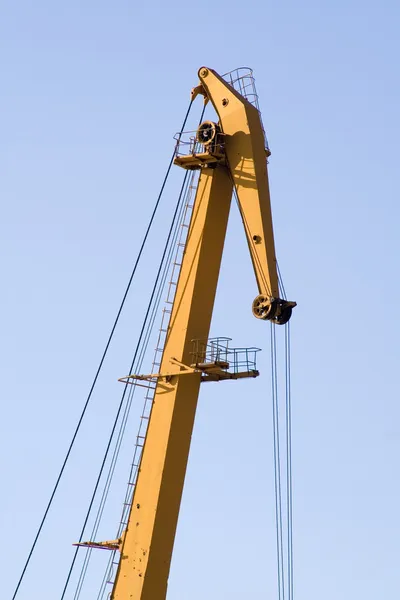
<point x="231" y="155"/>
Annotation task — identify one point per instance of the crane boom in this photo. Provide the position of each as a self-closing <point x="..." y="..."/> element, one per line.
<point x="232" y="157"/>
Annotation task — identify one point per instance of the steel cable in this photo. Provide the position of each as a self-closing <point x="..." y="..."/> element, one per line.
<point x="137" y="367"/>
<point x="283" y="466"/>
<point x="280" y="281"/>
<point x="134" y="466"/>
<point x="289" y="488"/>
<point x="50" y="502"/>
<point x="124" y="392"/>
<point x="277" y="468"/>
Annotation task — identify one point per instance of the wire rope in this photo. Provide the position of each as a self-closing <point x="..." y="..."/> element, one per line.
<point x="135" y="466"/>
<point x="277" y="468"/>
<point x="61" y="472"/>
<point x="289" y="487"/>
<point x="137" y="368"/>
<point x="125" y="389"/>
<point x="280" y="280"/>
<point x="202" y="114"/>
<point x="282" y="455"/>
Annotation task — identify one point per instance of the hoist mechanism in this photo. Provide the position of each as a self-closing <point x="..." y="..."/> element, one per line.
<point x="231" y="155"/>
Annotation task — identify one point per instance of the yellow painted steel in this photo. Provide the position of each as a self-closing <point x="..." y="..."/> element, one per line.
<point x="246" y="155"/>
<point x="147" y="546"/>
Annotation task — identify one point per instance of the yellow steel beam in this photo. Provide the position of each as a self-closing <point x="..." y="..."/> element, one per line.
<point x="247" y="159"/>
<point x="147" y="546"/>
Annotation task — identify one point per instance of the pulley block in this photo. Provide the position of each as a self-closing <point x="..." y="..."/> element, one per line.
<point x="272" y="309"/>
<point x="207" y="133"/>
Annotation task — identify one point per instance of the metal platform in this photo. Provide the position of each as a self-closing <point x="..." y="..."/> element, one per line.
<point x="192" y="154"/>
<point x="213" y="358"/>
<point x="218" y="361"/>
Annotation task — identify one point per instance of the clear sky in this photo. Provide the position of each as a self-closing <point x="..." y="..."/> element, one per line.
<point x="91" y="95"/>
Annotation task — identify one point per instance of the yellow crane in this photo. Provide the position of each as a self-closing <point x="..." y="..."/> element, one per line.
<point x="231" y="155"/>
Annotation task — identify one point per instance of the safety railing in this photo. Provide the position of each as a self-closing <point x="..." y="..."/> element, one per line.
<point x="217" y="350"/>
<point x="242" y="80"/>
<point x="188" y="145"/>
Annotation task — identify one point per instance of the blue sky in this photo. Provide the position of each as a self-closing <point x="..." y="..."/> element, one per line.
<point x="92" y="93"/>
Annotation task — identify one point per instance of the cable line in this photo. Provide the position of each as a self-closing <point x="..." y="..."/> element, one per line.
<point x="50" y="502"/>
<point x="277" y="467"/>
<point x="289" y="489"/>
<point x="132" y="388"/>
<point x="172" y="261"/>
<point x="125" y="388"/>
<point x="282" y="454"/>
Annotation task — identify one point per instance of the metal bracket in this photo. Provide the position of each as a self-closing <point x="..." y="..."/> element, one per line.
<point x="107" y="545"/>
<point x="185" y="370"/>
<point x="199" y="90"/>
<point x="216" y="370"/>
